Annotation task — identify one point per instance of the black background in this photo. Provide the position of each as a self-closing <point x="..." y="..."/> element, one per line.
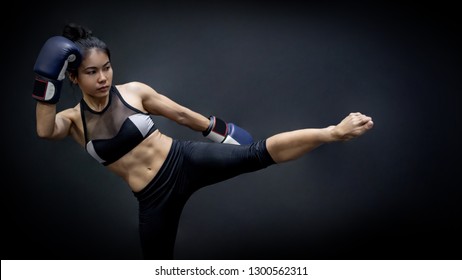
<point x="269" y="67"/>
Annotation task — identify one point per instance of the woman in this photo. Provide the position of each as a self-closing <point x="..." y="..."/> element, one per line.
<point x="114" y="124"/>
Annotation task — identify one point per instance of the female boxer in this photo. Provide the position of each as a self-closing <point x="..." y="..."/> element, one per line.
<point x="115" y="124"/>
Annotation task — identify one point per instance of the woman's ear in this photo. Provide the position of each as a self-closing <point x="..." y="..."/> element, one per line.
<point x="73" y="78"/>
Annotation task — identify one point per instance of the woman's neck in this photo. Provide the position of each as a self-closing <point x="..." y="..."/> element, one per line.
<point x="96" y="103"/>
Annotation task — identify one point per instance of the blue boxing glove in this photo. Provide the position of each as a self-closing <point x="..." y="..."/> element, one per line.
<point x="56" y="55"/>
<point x="222" y="132"/>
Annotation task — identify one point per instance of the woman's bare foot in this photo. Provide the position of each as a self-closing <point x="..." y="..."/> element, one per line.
<point x="352" y="126"/>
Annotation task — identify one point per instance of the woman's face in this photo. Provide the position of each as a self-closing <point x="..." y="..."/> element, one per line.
<point x="95" y="74"/>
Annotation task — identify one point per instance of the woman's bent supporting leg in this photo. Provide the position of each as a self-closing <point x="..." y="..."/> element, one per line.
<point x="188" y="167"/>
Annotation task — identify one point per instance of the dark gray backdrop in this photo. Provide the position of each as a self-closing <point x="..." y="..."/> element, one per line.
<point x="270" y="67"/>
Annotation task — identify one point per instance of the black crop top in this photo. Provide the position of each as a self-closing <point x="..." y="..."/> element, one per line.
<point x="116" y="130"/>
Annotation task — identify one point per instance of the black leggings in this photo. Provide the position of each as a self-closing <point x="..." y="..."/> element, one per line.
<point x="189" y="166"/>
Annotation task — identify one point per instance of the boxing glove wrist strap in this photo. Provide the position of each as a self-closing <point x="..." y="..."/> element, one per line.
<point x="46" y="90"/>
<point x="217" y="130"/>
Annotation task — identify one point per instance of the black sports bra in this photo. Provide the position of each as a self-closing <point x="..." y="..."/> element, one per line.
<point x="116" y="130"/>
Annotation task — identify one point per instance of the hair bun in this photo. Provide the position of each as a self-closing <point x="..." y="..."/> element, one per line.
<point x="75" y="32"/>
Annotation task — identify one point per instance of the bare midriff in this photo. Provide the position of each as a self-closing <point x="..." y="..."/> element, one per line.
<point x="139" y="166"/>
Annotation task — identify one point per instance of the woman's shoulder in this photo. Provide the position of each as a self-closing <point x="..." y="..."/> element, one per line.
<point x="135" y="87"/>
<point x="71" y="113"/>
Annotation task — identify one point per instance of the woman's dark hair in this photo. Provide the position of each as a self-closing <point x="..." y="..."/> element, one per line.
<point x="83" y="37"/>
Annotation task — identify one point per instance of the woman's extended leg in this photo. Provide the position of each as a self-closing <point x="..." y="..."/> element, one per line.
<point x="291" y="145"/>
